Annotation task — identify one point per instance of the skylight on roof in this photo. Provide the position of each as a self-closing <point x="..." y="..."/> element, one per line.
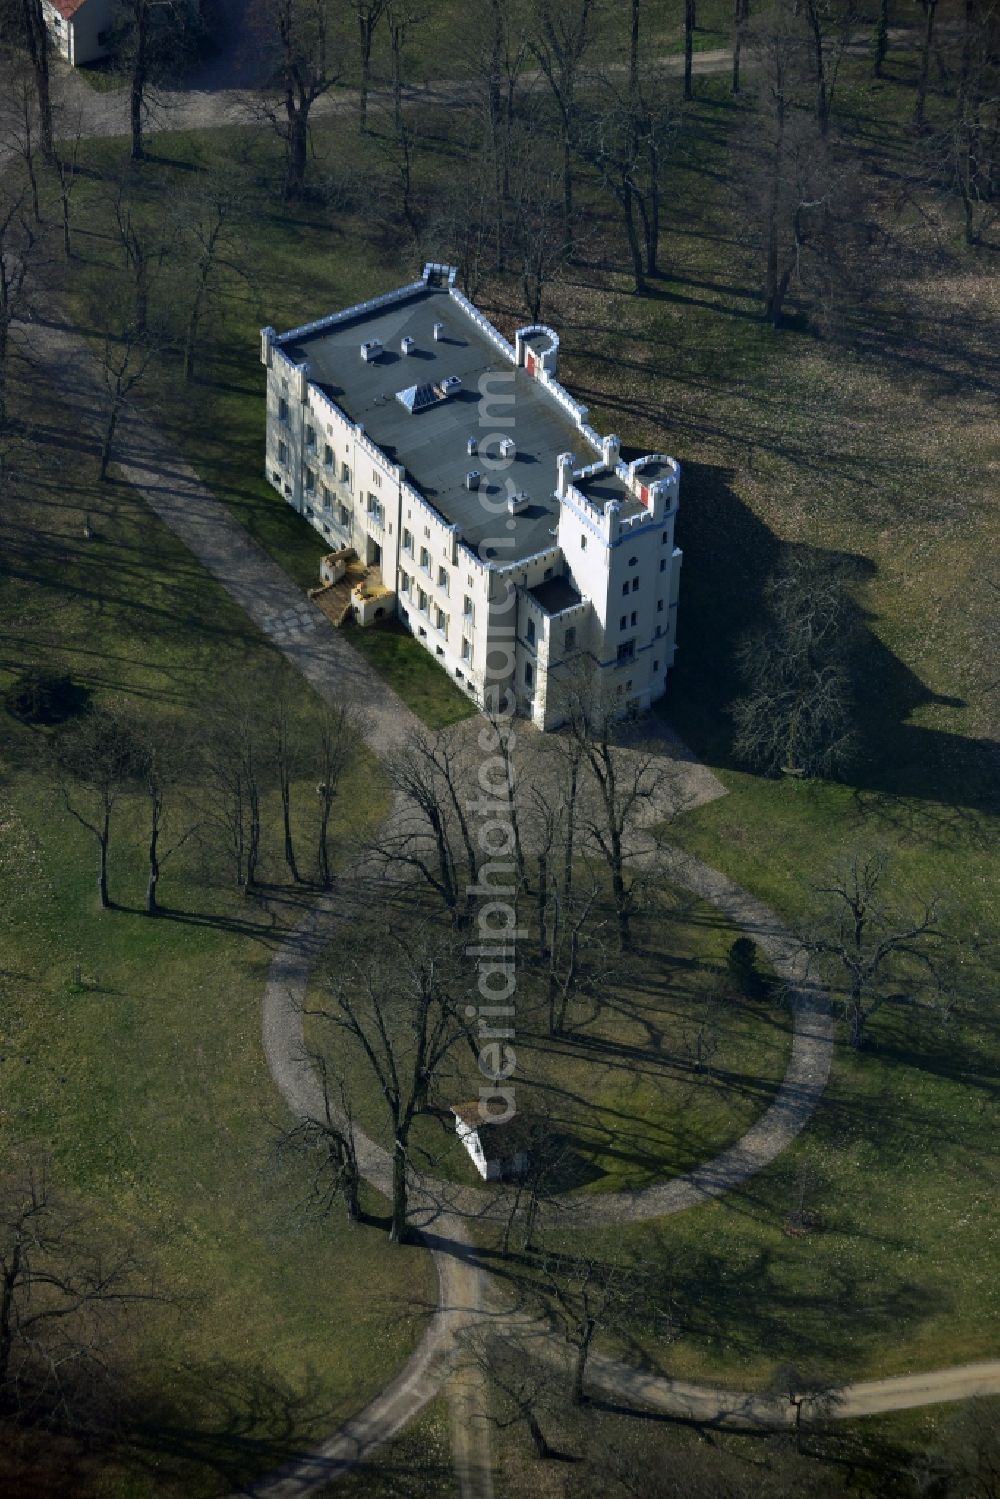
<point x="421" y="397"/>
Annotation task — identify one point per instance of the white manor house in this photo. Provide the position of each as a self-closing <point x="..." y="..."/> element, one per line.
<point x="461" y="489"/>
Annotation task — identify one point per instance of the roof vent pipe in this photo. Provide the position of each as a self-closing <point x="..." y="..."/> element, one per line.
<point x="407" y="345"/>
<point x="439" y="333"/>
<point x="472" y="447"/>
<point x="508" y="447"/>
<point x="472" y="479"/>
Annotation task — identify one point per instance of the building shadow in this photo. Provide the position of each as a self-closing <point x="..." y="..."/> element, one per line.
<point x="729" y="554"/>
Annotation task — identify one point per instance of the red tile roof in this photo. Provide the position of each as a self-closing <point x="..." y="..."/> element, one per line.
<point x="67" y="8"/>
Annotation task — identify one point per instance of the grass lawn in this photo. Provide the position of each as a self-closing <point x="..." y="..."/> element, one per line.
<point x="411" y="672"/>
<point x="144" y="1084"/>
<point x="876" y="444"/>
<point x="660" y="1069"/>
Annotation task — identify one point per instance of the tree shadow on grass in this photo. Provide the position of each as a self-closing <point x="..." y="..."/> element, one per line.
<point x="728" y="556"/>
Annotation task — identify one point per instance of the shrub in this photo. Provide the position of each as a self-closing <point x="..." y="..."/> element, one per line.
<point x="43" y="698"/>
<point x="741" y="961"/>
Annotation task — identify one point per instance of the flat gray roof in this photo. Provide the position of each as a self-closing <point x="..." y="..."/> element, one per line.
<point x="602" y="489"/>
<point x="431" y="444"/>
<point x="555" y="594"/>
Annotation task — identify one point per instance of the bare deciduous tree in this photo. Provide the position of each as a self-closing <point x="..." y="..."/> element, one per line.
<point x="125" y="361"/>
<point x="796" y="715"/>
<point x="36" y="38"/>
<point x="20" y="248"/>
<point x="521" y="1384"/>
<point x="338" y="734"/>
<point x="880" y="955"/>
<point x="232" y="764"/>
<point x="300" y="40"/>
<point x="587" y="1293"/>
<point x="560" y="40"/>
<point x="432" y="837"/>
<point x="402" y="1000"/>
<point x="162" y="754"/>
<point x="151" y="39"/>
<point x="209" y="221"/>
<point x="97" y="758"/>
<point x="328" y="1146"/>
<point x="368" y="14"/>
<point x="63" y="1293"/>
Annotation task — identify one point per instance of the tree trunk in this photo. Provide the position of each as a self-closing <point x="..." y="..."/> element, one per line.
<point x="397" y="1229"/>
<point x="154" y="862"/>
<point x="37" y="37"/>
<point x="366" y="73"/>
<point x="819" y="66"/>
<point x="7" y="1318"/>
<point x="104" y="838"/>
<point x="881" y="38"/>
<point x="286" y="821"/>
<point x="352" y="1203"/>
<point x="627" y="200"/>
<point x="298" y="149"/>
<point x="567" y="191"/>
<point x="137" y="88"/>
<point x="742" y="16"/>
<point x="109" y="437"/>
<point x="690" y="21"/>
<point x="323" y="849"/>
<point x="580" y="1362"/>
<point x="920" y="107"/>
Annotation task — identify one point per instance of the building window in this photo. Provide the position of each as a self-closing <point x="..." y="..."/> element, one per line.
<point x="466" y="649"/>
<point x="468" y="612"/>
<point x="625" y="588"/>
<point x="376" y="478"/>
<point x="529" y="674"/>
<point x="283" y="411"/>
<point x="623" y="622"/>
<point x="282" y="452"/>
<point x="441" y="620"/>
<point x="328" y="458"/>
<point x="583" y="543"/>
<point x="659" y="606"/>
<point x="404" y="582"/>
<point x="656" y="665"/>
<point x="635" y="619"/>
<point x="635" y="585"/>
<point x="633" y="562"/>
<point x="421" y="601"/>
<point x="663" y="564"/>
<point x="659" y="631"/>
<point x="626" y="651"/>
<point x="345" y="517"/>
<point x="663" y="539"/>
<point x="310" y="439"/>
<point x="443" y="578"/>
<point x="570" y="640"/>
<point x="345" y="475"/>
<point x="327" y="501"/>
<point x="310" y="481"/>
<point x="531" y="632"/>
<point x="425" y="559"/>
<point x="375" y="509"/>
<point x="407" y="541"/>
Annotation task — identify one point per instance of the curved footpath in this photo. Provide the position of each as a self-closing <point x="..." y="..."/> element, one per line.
<point x="256" y="582"/>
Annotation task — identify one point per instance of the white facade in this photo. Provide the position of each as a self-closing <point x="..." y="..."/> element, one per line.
<point x="602" y="591"/>
<point x="79" y="28"/>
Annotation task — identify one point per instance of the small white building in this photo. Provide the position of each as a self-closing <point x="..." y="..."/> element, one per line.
<point x="509" y="537"/>
<point x="498" y="1150"/>
<point x="79" y="29"/>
